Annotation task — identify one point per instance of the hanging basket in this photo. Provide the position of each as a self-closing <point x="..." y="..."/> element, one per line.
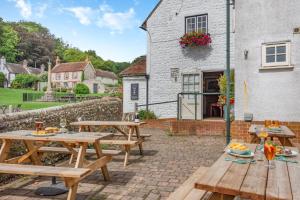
<point x="195" y="39"/>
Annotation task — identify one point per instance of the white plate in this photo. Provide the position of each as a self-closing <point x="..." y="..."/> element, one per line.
<point x="239" y="155"/>
<point x="294" y="153"/>
<point x="43" y="135"/>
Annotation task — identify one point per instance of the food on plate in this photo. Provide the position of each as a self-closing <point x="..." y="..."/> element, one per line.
<point x="52" y="129"/>
<point x="263" y="134"/>
<point x="283" y="151"/>
<point x="239" y="148"/>
<point x="39" y="133"/>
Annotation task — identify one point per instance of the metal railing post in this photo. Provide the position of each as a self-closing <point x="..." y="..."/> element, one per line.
<point x="195" y="96"/>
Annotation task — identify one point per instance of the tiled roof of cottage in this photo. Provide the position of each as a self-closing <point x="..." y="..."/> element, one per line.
<point x="16" y="68"/>
<point x="106" y="74"/>
<point x="137" y="69"/>
<point x="69" y="67"/>
<point x="35" y="71"/>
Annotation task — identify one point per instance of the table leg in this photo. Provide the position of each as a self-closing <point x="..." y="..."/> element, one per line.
<point x="137" y="131"/>
<point x="127" y="152"/>
<point x="81" y="155"/>
<point x="285" y="142"/>
<point x="72" y="192"/>
<point x="99" y="155"/>
<point x="4" y="150"/>
<point x="34" y="157"/>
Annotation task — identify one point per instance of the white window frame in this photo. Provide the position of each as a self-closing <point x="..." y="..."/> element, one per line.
<point x="286" y="63"/>
<point x="196" y="18"/>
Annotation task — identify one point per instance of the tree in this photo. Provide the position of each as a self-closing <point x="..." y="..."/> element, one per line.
<point x="2" y="79"/>
<point x="73" y="55"/>
<point x="8" y="42"/>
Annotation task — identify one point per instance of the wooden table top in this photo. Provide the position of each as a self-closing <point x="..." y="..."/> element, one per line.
<point x="106" y="123"/>
<point x="72" y="137"/>
<point x="286" y="132"/>
<point x="254" y="181"/>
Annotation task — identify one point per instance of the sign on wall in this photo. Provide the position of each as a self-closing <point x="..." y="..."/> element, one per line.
<point x="134" y="91"/>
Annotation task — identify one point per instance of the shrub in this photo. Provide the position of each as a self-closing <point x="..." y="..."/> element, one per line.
<point x="25" y="81"/>
<point x="81" y="88"/>
<point x="146" y="115"/>
<point x="61" y="89"/>
<point x="222" y="82"/>
<point x="2" y="79"/>
<point x="45" y="88"/>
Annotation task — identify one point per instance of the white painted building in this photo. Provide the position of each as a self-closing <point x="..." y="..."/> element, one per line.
<point x="134" y="86"/>
<point x="172" y="69"/>
<point x="267" y="46"/>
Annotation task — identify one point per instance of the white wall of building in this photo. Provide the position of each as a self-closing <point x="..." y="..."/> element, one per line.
<point x="273" y="94"/>
<point x="128" y="104"/>
<point x="164" y="51"/>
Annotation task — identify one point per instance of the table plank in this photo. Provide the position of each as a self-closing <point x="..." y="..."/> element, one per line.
<point x="294" y="174"/>
<point x="286" y="132"/>
<point x="254" y="184"/>
<point x="232" y="180"/>
<point x="106" y="123"/>
<point x="278" y="184"/>
<point x="65" y="137"/>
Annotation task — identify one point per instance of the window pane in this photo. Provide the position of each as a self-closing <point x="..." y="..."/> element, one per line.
<point x="185" y="88"/>
<point x="191" y="24"/>
<point x="281" y="49"/>
<point x="191" y="88"/>
<point x="196" y="78"/>
<point x="270" y="59"/>
<point x="191" y="79"/>
<point x="197" y="88"/>
<point x="281" y="58"/>
<point x="270" y="50"/>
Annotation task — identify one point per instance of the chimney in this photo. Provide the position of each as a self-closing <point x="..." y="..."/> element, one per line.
<point x="2" y="61"/>
<point x="43" y="68"/>
<point x="57" y="60"/>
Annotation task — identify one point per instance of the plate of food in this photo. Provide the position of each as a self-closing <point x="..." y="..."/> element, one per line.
<point x="282" y="151"/>
<point x="52" y="130"/>
<point x="42" y="133"/>
<point x="239" y="150"/>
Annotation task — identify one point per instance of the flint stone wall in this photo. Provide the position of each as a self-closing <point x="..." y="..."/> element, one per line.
<point x="107" y="108"/>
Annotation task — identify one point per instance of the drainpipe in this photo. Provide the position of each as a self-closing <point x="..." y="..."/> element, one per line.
<point x="228" y="137"/>
<point x="147" y="92"/>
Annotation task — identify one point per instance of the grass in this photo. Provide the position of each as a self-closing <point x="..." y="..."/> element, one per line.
<point x="14" y="97"/>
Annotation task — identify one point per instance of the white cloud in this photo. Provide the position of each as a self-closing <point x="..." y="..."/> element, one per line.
<point x="83" y="14"/>
<point x="25" y="8"/>
<point x="116" y="21"/>
<point x="41" y="10"/>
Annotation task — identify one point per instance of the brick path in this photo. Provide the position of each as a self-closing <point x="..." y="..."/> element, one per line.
<point x="167" y="163"/>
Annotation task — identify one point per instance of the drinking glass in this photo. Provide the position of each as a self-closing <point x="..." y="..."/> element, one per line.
<point x="63" y="124"/>
<point x="262" y="135"/>
<point x="38" y="124"/>
<point x="270" y="151"/>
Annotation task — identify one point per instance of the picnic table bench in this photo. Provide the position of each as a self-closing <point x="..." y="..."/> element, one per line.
<point x="283" y="136"/>
<point x="252" y="181"/>
<point x="128" y="143"/>
<point x="71" y="176"/>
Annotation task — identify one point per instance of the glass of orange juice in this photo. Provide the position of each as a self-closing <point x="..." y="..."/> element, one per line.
<point x="268" y="123"/>
<point x="270" y="152"/>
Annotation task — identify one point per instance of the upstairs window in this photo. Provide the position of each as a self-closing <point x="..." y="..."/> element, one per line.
<point x="57" y="76"/>
<point x="196" y="24"/>
<point x="74" y="75"/>
<point x="66" y="75"/>
<point x="276" y="54"/>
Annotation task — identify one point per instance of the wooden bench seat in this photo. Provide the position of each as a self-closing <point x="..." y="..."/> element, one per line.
<point x="134" y="135"/>
<point x="187" y="191"/>
<point x="88" y="151"/>
<point x="120" y="142"/>
<point x="63" y="172"/>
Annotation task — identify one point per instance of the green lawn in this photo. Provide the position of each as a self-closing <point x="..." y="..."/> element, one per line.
<point x="14" y="97"/>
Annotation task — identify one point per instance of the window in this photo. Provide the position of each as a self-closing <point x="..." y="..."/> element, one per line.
<point x="196" y="24"/>
<point x="74" y="75"/>
<point x="191" y="84"/>
<point x="276" y="54"/>
<point x="57" y="76"/>
<point x="66" y="75"/>
<point x="134" y="91"/>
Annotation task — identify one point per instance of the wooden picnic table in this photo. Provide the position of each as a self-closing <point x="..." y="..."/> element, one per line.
<point x="252" y="181"/>
<point x="81" y="169"/>
<point x="133" y="128"/>
<point x="283" y="136"/>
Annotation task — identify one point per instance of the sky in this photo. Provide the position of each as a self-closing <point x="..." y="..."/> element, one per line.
<point x="110" y="27"/>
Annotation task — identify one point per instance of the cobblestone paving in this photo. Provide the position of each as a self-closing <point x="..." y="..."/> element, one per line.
<point x="167" y="162"/>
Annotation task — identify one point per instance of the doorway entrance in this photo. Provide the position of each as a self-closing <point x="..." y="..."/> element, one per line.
<point x="211" y="108"/>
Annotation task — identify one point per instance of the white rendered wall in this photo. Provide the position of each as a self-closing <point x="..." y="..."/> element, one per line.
<point x="273" y="94"/>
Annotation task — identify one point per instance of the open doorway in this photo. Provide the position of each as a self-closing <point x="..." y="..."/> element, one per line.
<point x="211" y="108"/>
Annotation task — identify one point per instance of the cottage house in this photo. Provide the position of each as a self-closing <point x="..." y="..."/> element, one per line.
<point x="106" y="77"/>
<point x="67" y="75"/>
<point x="10" y="70"/>
<point x="173" y="69"/>
<point x="134" y="86"/>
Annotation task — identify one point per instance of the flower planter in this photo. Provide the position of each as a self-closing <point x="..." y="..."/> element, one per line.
<point x="195" y="39"/>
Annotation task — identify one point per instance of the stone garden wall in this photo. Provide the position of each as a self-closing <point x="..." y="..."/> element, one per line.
<point x="107" y="108"/>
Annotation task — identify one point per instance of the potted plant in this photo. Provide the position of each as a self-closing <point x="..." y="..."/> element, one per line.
<point x="222" y="98"/>
<point x="195" y="39"/>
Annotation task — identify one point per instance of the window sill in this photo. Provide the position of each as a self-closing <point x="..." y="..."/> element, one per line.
<point x="286" y="67"/>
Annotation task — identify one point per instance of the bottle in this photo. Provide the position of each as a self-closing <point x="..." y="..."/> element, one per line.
<point x="136" y="118"/>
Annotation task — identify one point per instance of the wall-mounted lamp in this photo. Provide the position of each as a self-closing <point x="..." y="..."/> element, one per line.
<point x="246" y="52"/>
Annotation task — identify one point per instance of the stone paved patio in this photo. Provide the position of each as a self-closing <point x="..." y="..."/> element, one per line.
<point x="167" y="163"/>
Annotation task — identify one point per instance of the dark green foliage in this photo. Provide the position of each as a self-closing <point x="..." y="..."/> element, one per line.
<point x="2" y="79"/>
<point x="146" y="115"/>
<point x="24" y="81"/>
<point x="9" y="40"/>
<point x="81" y="88"/>
<point x="44" y="77"/>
